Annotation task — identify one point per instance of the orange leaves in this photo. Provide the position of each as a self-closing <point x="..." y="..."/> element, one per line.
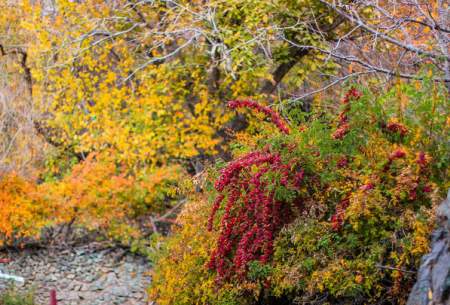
<point x="23" y="211"/>
<point x="97" y="194"/>
<point x="90" y="193"/>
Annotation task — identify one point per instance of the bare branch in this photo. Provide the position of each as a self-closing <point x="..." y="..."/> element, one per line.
<point x="385" y="37"/>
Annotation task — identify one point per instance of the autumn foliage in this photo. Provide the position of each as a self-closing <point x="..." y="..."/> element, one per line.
<point x="310" y="215"/>
<point x="96" y="195"/>
<point x="252" y="214"/>
<point x="23" y="211"/>
<point x="316" y="182"/>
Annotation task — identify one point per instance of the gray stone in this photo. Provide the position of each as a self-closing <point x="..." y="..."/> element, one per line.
<point x="84" y="278"/>
<point x="68" y="296"/>
<point x="70" y="276"/>
<point x="120" y="291"/>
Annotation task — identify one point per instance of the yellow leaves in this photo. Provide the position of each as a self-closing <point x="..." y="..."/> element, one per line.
<point x="110" y="77"/>
<point x="26" y="25"/>
<point x="164" y="111"/>
<point x="421" y="238"/>
<point x="146" y="123"/>
<point x="180" y="276"/>
<point x="364" y="205"/>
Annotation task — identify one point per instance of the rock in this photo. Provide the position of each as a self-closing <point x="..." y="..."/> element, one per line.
<point x="433" y="280"/>
<point x="75" y="286"/>
<point x="99" y="285"/>
<point x="138" y="295"/>
<point x="67" y="296"/>
<point x="120" y="291"/>
<point x="111" y="278"/>
<point x="90" y="278"/>
<point x="82" y="277"/>
<point x="85" y="287"/>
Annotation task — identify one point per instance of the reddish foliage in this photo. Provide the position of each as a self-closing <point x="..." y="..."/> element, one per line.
<point x="395" y="127"/>
<point x="353" y="93"/>
<point x="427" y="188"/>
<point x="53" y="300"/>
<point x="341" y="131"/>
<point x="252" y="216"/>
<point x="422" y="159"/>
<point x="398" y="154"/>
<point x="343" y="126"/>
<point x="337" y="219"/>
<point x="342" y="162"/>
<point x="273" y="115"/>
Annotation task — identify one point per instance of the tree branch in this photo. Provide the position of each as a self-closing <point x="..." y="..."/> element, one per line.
<point x="381" y="35"/>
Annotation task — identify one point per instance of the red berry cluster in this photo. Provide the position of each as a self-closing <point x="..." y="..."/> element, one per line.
<point x="252" y="216"/>
<point x="273" y="115"/>
<point x="395" y="127"/>
<point x="343" y="126"/>
<point x="342" y="162"/>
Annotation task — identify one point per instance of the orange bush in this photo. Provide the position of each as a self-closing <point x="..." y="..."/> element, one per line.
<point x="23" y="211"/>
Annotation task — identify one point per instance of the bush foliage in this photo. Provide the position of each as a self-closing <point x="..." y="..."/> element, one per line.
<point x="96" y="194"/>
<point x="338" y="210"/>
<point x="105" y="105"/>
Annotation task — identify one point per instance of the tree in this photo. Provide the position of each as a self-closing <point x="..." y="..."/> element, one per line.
<point x="21" y="149"/>
<point x="149" y="78"/>
<point x="391" y="39"/>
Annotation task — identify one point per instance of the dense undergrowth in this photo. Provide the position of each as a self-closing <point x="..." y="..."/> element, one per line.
<point x="97" y="195"/>
<point x="335" y="209"/>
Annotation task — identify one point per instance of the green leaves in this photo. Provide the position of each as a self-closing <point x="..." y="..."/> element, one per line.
<point x="258" y="271"/>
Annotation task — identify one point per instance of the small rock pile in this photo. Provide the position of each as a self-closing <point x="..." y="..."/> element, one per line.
<point x="81" y="276"/>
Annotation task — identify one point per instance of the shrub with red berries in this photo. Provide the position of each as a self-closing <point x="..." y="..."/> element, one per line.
<point x="335" y="208"/>
<point x="252" y="213"/>
<point x="270" y="113"/>
<point x="310" y="175"/>
<point x="343" y="126"/>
